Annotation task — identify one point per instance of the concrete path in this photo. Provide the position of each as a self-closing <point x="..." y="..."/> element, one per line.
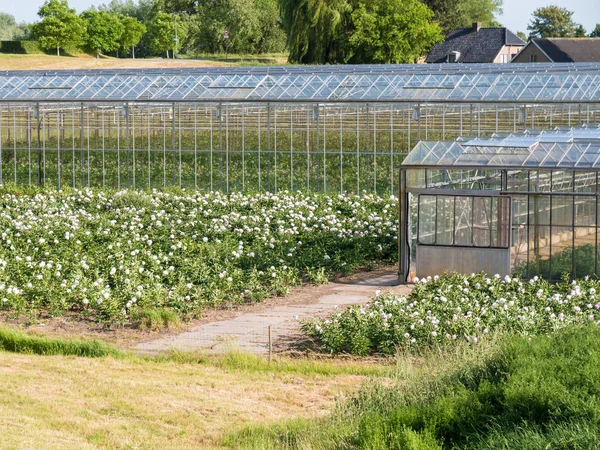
<point x="249" y="331"/>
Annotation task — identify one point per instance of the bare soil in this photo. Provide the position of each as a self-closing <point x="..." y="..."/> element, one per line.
<point x="51" y="62"/>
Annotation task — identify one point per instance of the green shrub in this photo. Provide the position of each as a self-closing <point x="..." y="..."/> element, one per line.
<point x="522" y="393"/>
<point x="452" y="308"/>
<point x="20" y="47"/>
<point x="19" y="342"/>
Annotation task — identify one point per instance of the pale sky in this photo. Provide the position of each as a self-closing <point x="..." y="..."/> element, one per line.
<point x="517" y="13"/>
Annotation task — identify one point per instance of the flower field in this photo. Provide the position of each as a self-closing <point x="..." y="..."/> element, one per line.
<point x="450" y="308"/>
<point x="108" y="254"/>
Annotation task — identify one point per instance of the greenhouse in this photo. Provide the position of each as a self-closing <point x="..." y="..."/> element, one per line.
<point x="523" y="203"/>
<point x="310" y="128"/>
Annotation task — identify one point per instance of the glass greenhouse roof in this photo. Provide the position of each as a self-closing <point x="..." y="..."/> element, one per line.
<point x="453" y="83"/>
<point x="578" y="148"/>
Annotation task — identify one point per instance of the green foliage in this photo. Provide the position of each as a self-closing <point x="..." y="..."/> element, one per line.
<point x="596" y="32"/>
<point x="453" y="308"/>
<point x="452" y="14"/>
<point x="60" y="26"/>
<point x="133" y="30"/>
<point x="104" y="31"/>
<point x="357" y="31"/>
<point x="526" y="393"/>
<point x="522" y="35"/>
<point x="552" y="21"/>
<point x="10" y="30"/>
<point x="20" y="47"/>
<point x="391" y="31"/>
<point x="122" y="257"/>
<point x="580" y="32"/>
<point x="19" y="342"/>
<point x="161" y="30"/>
<point x="155" y="319"/>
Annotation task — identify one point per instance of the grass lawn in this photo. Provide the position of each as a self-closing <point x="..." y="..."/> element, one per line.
<point x="67" y="402"/>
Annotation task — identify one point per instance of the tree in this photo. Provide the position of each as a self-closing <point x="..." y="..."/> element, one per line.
<point x="522" y="35"/>
<point x="552" y="21"/>
<point x="10" y="30"/>
<point x="60" y="26"/>
<point x="315" y="28"/>
<point x="453" y="14"/>
<point x="161" y="32"/>
<point x="580" y="32"/>
<point x="132" y="33"/>
<point x="596" y="32"/>
<point x="483" y="11"/>
<point x="339" y="31"/>
<point x="391" y="31"/>
<point x="104" y="31"/>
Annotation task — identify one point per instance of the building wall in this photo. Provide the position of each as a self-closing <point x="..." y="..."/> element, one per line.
<point x="531" y="49"/>
<point x="508" y="51"/>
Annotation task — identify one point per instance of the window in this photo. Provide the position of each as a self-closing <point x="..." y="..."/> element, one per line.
<point x="504" y="59"/>
<point x="464" y="221"/>
<point x="533" y="58"/>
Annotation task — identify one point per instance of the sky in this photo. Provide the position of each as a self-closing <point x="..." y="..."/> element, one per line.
<point x="517" y="13"/>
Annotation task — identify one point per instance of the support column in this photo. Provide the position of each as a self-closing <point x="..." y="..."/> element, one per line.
<point x="403" y="247"/>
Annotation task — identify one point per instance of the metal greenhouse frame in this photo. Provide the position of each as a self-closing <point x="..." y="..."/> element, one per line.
<point x="316" y="128"/>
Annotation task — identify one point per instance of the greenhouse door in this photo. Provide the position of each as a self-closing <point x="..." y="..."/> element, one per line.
<point x="463" y="233"/>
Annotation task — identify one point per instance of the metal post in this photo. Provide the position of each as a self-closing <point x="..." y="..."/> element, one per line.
<point x="29" y="142"/>
<point x="270" y="345"/>
<point x="1" y="168"/>
<point x="243" y="148"/>
<point x="324" y="150"/>
<point x="173" y="165"/>
<point x="103" y="155"/>
<point x="341" y="150"/>
<point x="269" y="147"/>
<point x="58" y="165"/>
<point x="195" y="146"/>
<point x="179" y="136"/>
<point x="291" y="148"/>
<point x="81" y="144"/>
<point x="403" y="251"/>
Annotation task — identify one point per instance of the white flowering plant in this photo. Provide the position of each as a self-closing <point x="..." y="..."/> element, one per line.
<point x="104" y="254"/>
<point x="445" y="309"/>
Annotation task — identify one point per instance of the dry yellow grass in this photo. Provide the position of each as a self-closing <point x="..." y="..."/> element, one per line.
<point x="52" y="62"/>
<point x="58" y="402"/>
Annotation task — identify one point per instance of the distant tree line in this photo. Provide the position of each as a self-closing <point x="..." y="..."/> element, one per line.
<point x="312" y="31"/>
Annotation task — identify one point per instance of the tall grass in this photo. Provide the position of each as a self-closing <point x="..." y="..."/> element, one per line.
<point x="519" y="393"/>
<point x="19" y="342"/>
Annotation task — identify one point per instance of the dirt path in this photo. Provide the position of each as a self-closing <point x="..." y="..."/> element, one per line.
<point x="248" y="329"/>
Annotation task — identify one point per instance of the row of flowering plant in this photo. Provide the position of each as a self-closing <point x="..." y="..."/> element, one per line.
<point x="454" y="307"/>
<point x="103" y="254"/>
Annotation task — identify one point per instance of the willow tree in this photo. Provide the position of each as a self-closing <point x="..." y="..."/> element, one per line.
<point x="314" y="29"/>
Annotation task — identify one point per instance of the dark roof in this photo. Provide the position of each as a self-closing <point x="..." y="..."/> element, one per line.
<point x="474" y="46"/>
<point x="570" y="49"/>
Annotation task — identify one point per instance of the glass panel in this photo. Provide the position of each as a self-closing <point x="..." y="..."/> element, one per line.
<point x="539" y="181"/>
<point x="562" y="181"/>
<point x="518" y="181"/>
<point x="562" y="210"/>
<point x="539" y="209"/>
<point x="427" y="205"/>
<point x="585" y="252"/>
<point x="585" y="182"/>
<point x="501" y="222"/>
<point x="445" y="220"/>
<point x="585" y="211"/>
<point x="463" y="220"/>
<point x="539" y="251"/>
<point x="482" y="215"/>
<point x="562" y="252"/>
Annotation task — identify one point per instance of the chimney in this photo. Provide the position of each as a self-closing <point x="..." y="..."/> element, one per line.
<point x="476" y="26"/>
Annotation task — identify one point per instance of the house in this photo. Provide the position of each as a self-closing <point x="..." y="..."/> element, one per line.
<point x="560" y="50"/>
<point x="477" y="45"/>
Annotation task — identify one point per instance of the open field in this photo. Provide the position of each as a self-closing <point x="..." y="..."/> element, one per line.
<point x="61" y="402"/>
<point x="51" y="62"/>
